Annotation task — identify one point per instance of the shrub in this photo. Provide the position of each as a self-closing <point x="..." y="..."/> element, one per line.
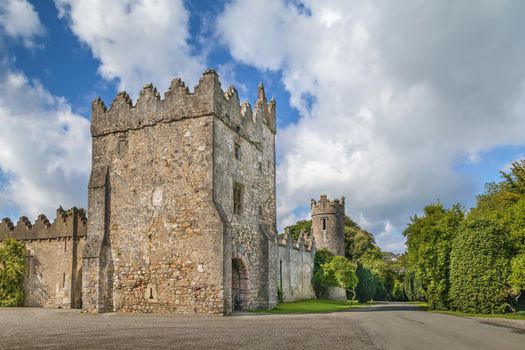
<point x="12" y="267"/>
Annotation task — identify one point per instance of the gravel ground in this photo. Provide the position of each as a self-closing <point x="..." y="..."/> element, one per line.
<point x="384" y="326"/>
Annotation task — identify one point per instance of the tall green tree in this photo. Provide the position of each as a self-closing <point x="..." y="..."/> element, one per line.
<point x="429" y="244"/>
<point x="341" y="273"/>
<point x="412" y="287"/>
<point x="366" y="287"/>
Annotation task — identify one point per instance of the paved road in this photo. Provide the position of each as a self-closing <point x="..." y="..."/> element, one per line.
<point x="385" y="326"/>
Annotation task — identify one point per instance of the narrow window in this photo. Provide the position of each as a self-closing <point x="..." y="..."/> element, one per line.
<point x="260" y="210"/>
<point x="151" y="293"/>
<point x="237" y="150"/>
<point x="323" y="220"/>
<point x="122" y="145"/>
<point x="269" y="165"/>
<point x="63" y="280"/>
<point x="65" y="244"/>
<point x="237" y="198"/>
<point x="260" y="166"/>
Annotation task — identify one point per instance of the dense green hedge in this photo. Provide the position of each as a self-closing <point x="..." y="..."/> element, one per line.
<point x="480" y="268"/>
<point x="12" y="267"/>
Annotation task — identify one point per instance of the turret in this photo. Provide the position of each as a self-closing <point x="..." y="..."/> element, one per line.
<point x="328" y="224"/>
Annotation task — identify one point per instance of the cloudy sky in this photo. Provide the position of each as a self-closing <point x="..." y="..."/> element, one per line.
<point x="392" y="104"/>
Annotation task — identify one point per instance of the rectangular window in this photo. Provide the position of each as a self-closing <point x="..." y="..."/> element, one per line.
<point x="122" y="145"/>
<point x="237" y="198"/>
<point x="260" y="211"/>
<point x="260" y="166"/>
<point x="237" y="150"/>
<point x="323" y="221"/>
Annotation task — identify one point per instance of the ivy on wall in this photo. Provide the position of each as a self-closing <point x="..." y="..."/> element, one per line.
<point x="12" y="267"/>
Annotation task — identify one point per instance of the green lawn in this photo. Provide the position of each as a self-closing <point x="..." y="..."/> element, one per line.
<point x="312" y="307"/>
<point x="520" y="315"/>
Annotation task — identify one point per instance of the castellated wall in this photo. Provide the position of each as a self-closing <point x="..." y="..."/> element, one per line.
<point x="251" y="234"/>
<point x="162" y="235"/>
<point x="296" y="267"/>
<point x="53" y="257"/>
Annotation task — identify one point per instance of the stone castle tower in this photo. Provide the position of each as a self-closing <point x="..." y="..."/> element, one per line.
<point x="328" y="224"/>
<point x="181" y="212"/>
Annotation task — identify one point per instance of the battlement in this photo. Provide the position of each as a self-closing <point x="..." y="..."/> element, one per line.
<point x="178" y="103"/>
<point x="305" y="241"/>
<point x="68" y="223"/>
<point x="327" y="206"/>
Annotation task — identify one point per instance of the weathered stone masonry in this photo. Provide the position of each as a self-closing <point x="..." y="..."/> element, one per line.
<point x="181" y="212"/>
<point x="296" y="265"/>
<point x="53" y="257"/>
<point x="163" y="234"/>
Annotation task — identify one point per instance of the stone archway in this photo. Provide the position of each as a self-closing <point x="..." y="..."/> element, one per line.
<point x="240" y="290"/>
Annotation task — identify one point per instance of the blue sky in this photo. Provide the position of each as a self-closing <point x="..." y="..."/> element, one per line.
<point x="381" y="103"/>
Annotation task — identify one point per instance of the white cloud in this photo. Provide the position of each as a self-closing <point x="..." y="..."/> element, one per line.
<point x="19" y="20"/>
<point x="136" y="41"/>
<point x="401" y="91"/>
<point x="44" y="148"/>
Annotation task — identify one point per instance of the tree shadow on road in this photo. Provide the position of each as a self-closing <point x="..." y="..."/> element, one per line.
<point x="387" y="307"/>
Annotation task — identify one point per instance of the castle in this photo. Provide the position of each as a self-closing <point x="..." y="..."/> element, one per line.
<point x="181" y="212"/>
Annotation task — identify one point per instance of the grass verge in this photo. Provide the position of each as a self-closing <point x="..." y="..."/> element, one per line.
<point x="312" y="307"/>
<point x="520" y="315"/>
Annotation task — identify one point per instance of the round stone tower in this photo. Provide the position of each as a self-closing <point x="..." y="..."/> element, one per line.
<point x="328" y="224"/>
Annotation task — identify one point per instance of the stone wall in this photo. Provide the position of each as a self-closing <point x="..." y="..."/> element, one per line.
<point x="53" y="257"/>
<point x="251" y="237"/>
<point x="296" y="267"/>
<point x="162" y="234"/>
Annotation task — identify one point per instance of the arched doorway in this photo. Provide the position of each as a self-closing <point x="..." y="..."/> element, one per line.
<point x="239" y="285"/>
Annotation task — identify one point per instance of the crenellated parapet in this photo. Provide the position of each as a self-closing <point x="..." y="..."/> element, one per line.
<point x="327" y="206"/>
<point x="178" y="103"/>
<point x="305" y="241"/>
<point x="68" y="223"/>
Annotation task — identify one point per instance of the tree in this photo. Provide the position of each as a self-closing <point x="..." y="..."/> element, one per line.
<point x="366" y="287"/>
<point x="341" y="273"/>
<point x="429" y="243"/>
<point x="12" y="267"/>
<point x="320" y="280"/>
<point x="480" y="267"/>
<point x="412" y="287"/>
<point x="357" y="241"/>
<point x="295" y="230"/>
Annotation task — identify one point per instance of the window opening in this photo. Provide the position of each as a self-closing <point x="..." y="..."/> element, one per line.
<point x="237" y="150"/>
<point x="237" y="198"/>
